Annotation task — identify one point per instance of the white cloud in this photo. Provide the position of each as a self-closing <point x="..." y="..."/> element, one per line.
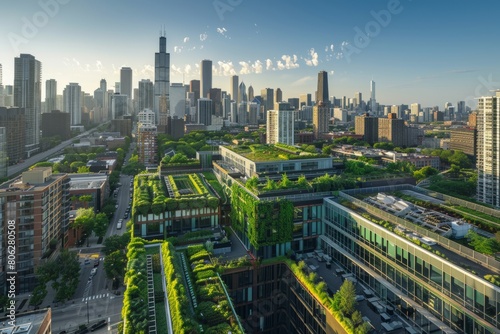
<point x="177" y="49"/>
<point x="98" y="66"/>
<point x="203" y="37"/>
<point x="186" y="39"/>
<point x="226" y="68"/>
<point x="245" y="67"/>
<point x="269" y="64"/>
<point x="287" y="62"/>
<point x="313" y="61"/>
<point x="148" y="70"/>
<point x="257" y="66"/>
<point x="332" y="47"/>
<point x="332" y="72"/>
<point x="222" y="31"/>
<point x="187" y="69"/>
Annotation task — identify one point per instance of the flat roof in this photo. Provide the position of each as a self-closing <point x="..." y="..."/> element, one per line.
<point x="262" y="153"/>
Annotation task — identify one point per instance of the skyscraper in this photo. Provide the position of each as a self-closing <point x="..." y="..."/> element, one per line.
<point x="234" y="87"/>
<point x="251" y="94"/>
<point x="358" y="100"/>
<point x="194" y="87"/>
<point x="280" y="124"/>
<point x="2" y="101"/>
<point x="488" y="152"/>
<point x="367" y="126"/>
<point x="50" y="95"/>
<point x="72" y="103"/>
<point x="162" y="80"/>
<point x="206" y="77"/>
<point x="28" y="95"/>
<point x="146" y="92"/>
<point x="415" y="109"/>
<point x="177" y="100"/>
<point x="267" y="96"/>
<point x="279" y="95"/>
<point x="204" y="111"/>
<point x="242" y="93"/>
<point x="373" y="102"/>
<point x="126" y="81"/>
<point x="322" y="91"/>
<point x="321" y="111"/>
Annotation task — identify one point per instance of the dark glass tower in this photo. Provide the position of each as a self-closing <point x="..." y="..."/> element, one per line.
<point x="322" y="92"/>
<point x="162" y="79"/>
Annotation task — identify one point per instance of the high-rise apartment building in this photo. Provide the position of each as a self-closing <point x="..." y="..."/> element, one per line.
<point x="194" y="87"/>
<point x="206" y="78"/>
<point x="50" y="95"/>
<point x="4" y="159"/>
<point x="38" y="202"/>
<point x="72" y="102"/>
<point x="392" y="129"/>
<point x="488" y="149"/>
<point x="146" y="94"/>
<point x="146" y="143"/>
<point x="28" y="95"/>
<point x="251" y="94"/>
<point x="367" y="126"/>
<point x="280" y="124"/>
<point x="12" y="119"/>
<point x="162" y="80"/>
<point x="415" y="109"/>
<point x="56" y="123"/>
<point x="322" y="91"/>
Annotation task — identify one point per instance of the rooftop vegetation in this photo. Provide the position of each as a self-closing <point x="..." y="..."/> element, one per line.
<point x="260" y="152"/>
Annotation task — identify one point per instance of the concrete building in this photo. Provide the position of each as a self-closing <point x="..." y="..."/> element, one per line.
<point x="464" y="139"/>
<point x="280" y="124"/>
<point x="72" y="103"/>
<point x="488" y="152"/>
<point x="367" y="126"/>
<point x="234" y="84"/>
<point x="147" y="144"/>
<point x="38" y="202"/>
<point x="175" y="127"/>
<point x="267" y="96"/>
<point x="119" y="106"/>
<point x="126" y="82"/>
<point x="177" y="100"/>
<point x="146" y="116"/>
<point x="4" y="159"/>
<point x="28" y="95"/>
<point x="56" y="123"/>
<point x="12" y="119"/>
<point x="392" y="130"/>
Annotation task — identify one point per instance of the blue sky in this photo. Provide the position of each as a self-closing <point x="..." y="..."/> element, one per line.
<point x="424" y="51"/>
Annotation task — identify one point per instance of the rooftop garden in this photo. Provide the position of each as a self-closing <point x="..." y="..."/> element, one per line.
<point x="261" y="153"/>
<point x="155" y="194"/>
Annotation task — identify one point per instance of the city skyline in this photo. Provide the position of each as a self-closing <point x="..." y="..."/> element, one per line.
<point x="429" y="64"/>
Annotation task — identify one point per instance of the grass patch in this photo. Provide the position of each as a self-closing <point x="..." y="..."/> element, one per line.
<point x="161" y="318"/>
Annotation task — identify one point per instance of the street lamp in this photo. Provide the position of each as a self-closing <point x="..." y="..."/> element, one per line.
<point x="88" y="321"/>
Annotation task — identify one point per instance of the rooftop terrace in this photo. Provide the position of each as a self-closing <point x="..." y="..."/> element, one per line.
<point x="278" y="152"/>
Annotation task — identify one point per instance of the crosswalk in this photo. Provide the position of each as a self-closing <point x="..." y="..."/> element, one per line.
<point x="103" y="295"/>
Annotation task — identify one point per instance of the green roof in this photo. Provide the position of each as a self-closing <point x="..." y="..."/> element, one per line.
<point x="261" y="153"/>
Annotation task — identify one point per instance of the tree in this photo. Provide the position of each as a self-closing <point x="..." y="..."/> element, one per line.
<point x="114" y="264"/>
<point x="85" y="220"/>
<point x="75" y="165"/>
<point x="116" y="242"/>
<point x="424" y="173"/>
<point x="83" y="170"/>
<point x="347" y="295"/>
<point x="285" y="181"/>
<point x="101" y="224"/>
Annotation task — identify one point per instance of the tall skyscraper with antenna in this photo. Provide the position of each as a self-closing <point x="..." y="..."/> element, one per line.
<point x="373" y="102"/>
<point x="162" y="81"/>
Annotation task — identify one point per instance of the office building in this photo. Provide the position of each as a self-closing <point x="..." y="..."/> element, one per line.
<point x="28" y="95"/>
<point x="204" y="111"/>
<point x="38" y="202"/>
<point x="305" y="100"/>
<point x="415" y="109"/>
<point x="194" y="87"/>
<point x="206" y="78"/>
<point x="294" y="103"/>
<point x="267" y="96"/>
<point x="322" y="92"/>
<point x="50" y="95"/>
<point x="280" y="124"/>
<point x="242" y="117"/>
<point x="12" y="119"/>
<point x="146" y="95"/>
<point x="251" y="94"/>
<point x="162" y="81"/>
<point x="215" y="94"/>
<point x="56" y="123"/>
<point x="367" y="126"/>
<point x="279" y="95"/>
<point x="72" y="103"/>
<point x="126" y="82"/>
<point x="177" y="100"/>
<point x="414" y="269"/>
<point x="234" y="88"/>
<point x="321" y="110"/>
<point x="119" y="105"/>
<point x="242" y="93"/>
<point x="253" y="112"/>
<point x="175" y="127"/>
<point x="357" y="101"/>
<point x="488" y="152"/>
